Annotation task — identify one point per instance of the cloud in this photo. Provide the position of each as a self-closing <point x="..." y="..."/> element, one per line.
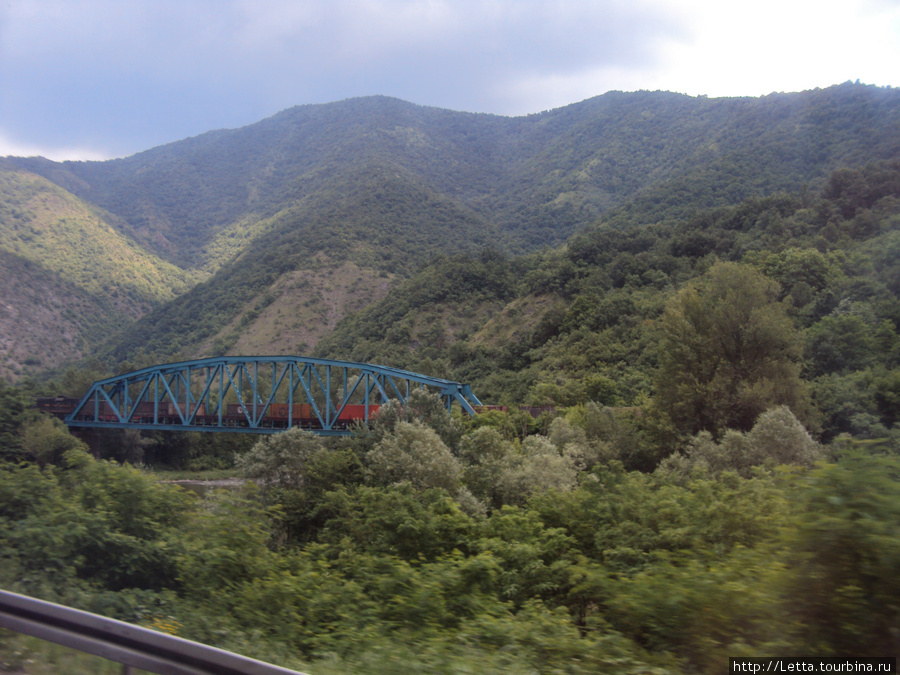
<point x="120" y="77"/>
<point x="752" y="49"/>
<point x="142" y="73"/>
<point x="10" y="147"/>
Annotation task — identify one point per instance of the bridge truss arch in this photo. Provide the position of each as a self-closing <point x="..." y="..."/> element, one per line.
<point x="255" y="394"/>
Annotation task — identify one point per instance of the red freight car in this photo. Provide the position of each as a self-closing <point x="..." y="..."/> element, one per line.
<point x="59" y="406"/>
<point x="148" y="412"/>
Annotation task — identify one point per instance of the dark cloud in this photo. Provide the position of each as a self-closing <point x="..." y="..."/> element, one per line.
<point x="123" y="76"/>
<point x="119" y="77"/>
<point x="112" y="77"/>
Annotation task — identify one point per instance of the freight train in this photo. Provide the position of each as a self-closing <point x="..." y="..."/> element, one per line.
<point x="278" y="415"/>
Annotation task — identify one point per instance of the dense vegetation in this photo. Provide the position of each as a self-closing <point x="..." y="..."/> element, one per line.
<point x="68" y="276"/>
<point x="717" y="474"/>
<point x="458" y="184"/>
<point x="538" y="177"/>
<point x="619" y="313"/>
<point x="386" y="185"/>
<point x="434" y="543"/>
<point x="700" y="521"/>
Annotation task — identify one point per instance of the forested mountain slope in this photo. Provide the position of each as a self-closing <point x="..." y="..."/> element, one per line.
<point x="718" y="476"/>
<point x="382" y="186"/>
<point x="536" y="176"/>
<point x="423" y="181"/>
<point x="586" y="322"/>
<point x="67" y="275"/>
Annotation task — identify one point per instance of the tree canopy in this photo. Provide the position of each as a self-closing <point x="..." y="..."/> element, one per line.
<point x="728" y="351"/>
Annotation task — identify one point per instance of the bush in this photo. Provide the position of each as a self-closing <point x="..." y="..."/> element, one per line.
<point x="414" y="453"/>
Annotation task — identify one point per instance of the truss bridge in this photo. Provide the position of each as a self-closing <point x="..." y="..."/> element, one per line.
<point x="251" y="394"/>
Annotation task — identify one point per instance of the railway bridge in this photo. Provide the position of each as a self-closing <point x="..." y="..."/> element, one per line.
<point x="251" y="394"/>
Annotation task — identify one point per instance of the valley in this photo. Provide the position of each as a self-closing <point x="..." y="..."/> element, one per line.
<point x="684" y="312"/>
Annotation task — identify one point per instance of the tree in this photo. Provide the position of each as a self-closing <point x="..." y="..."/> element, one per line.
<point x="845" y="552"/>
<point x="539" y="467"/>
<point x="840" y="343"/>
<point x="421" y="406"/>
<point x="777" y="438"/>
<point x="414" y="453"/>
<point x="12" y="409"/>
<point x="46" y="439"/>
<point x="281" y="461"/>
<point x="727" y="352"/>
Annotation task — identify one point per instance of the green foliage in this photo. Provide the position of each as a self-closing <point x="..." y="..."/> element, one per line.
<point x="128" y="526"/>
<point x="509" y="543"/>
<point x="727" y="352"/>
<point x="282" y="461"/>
<point x="389" y="186"/>
<point x="46" y="440"/>
<point x="225" y="545"/>
<point x="13" y="403"/>
<point x="97" y="523"/>
<point x="414" y="452"/>
<point x="396" y="520"/>
<point x="46" y="225"/>
<point x="590" y="340"/>
<point x="887" y="398"/>
<point x="844" y="556"/>
<point x="561" y="569"/>
<point x="69" y="276"/>
<point x="423" y="407"/>
<point x="840" y="343"/>
<point x="486" y="455"/>
<point x="538" y="467"/>
<point x="776" y="438"/>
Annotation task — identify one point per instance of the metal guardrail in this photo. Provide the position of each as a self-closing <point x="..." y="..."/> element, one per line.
<point x="125" y="643"/>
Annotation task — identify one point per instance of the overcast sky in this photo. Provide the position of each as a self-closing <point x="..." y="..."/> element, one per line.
<point x="92" y="79"/>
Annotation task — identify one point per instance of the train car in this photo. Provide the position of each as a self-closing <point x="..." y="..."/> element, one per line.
<point x="479" y="409"/>
<point x="356" y="412"/>
<point x="279" y="412"/>
<point x="58" y="406"/>
<point x="104" y="412"/>
<point x="537" y="410"/>
<point x="145" y="412"/>
<point x="63" y="406"/>
<point x="277" y="416"/>
<point x="171" y="413"/>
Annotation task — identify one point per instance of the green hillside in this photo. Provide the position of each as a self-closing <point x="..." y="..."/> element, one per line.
<point x="70" y="277"/>
<point x="176" y="199"/>
<point x="713" y="340"/>
<point x="385" y="226"/>
<point x="392" y="184"/>
<point x="47" y="321"/>
<point x="384" y="186"/>
<point x="537" y="177"/>
<point x="45" y="224"/>
<point x="582" y="323"/>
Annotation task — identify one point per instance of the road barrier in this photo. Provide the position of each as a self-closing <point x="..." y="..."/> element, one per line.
<point x="132" y="646"/>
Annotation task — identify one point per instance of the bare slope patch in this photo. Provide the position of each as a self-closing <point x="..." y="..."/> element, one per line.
<point x="298" y="310"/>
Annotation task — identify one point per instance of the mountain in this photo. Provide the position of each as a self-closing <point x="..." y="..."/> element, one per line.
<point x="312" y="212"/>
<point x="68" y="275"/>
<point x="580" y="322"/>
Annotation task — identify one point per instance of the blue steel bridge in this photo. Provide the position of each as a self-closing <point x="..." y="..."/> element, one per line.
<point x="254" y="394"/>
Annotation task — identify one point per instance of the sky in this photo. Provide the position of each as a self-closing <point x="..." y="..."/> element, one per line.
<point x="97" y="79"/>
